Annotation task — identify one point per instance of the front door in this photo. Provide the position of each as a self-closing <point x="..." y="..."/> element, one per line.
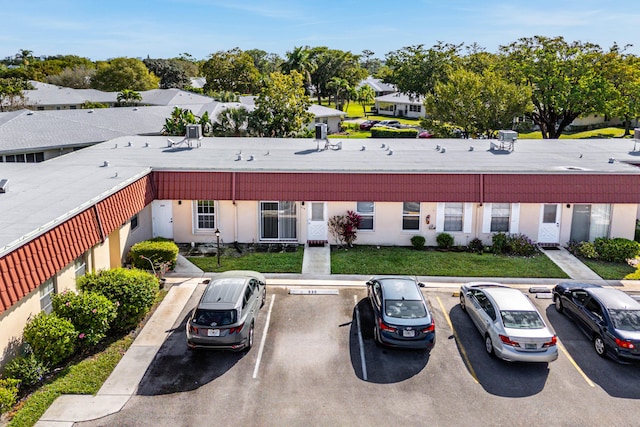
<point x="317" y="228"/>
<point x="162" y="212"/>
<point x="549" y="231"/>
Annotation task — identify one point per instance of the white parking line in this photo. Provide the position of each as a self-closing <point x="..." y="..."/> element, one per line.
<point x="360" y="341"/>
<point x="264" y="338"/>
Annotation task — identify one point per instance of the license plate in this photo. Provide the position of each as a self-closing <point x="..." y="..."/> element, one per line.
<point x="530" y="346"/>
<point x="213" y="332"/>
<point x="409" y="333"/>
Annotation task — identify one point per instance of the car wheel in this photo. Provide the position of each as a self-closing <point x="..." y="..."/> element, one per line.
<point x="250" y="338"/>
<point x="558" y="304"/>
<point x="598" y="346"/>
<point x="463" y="303"/>
<point x="488" y="345"/>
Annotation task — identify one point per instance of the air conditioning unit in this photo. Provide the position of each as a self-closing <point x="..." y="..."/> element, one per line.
<point x="194" y="131"/>
<point x="507" y="135"/>
<point x="636" y="134"/>
<point x="321" y="131"/>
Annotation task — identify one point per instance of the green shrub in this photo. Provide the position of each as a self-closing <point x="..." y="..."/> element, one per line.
<point x="521" y="245"/>
<point x="499" y="244"/>
<point x="91" y="314"/>
<point x="418" y="242"/>
<point x="476" y="245"/>
<point x="132" y="291"/>
<point x="8" y="394"/>
<point x="444" y="240"/>
<point x="28" y="369"/>
<point x="617" y="249"/>
<point x="159" y="250"/>
<point x="583" y="249"/>
<point x="439" y="129"/>
<point x="388" y="132"/>
<point x="349" y="126"/>
<point x="636" y="235"/>
<point x="51" y="338"/>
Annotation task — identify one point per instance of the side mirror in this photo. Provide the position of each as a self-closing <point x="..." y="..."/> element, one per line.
<point x="468" y="293"/>
<point x="422" y="285"/>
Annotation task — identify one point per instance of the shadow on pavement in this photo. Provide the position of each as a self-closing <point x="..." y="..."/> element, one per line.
<point x="617" y="380"/>
<point x="384" y="365"/>
<point x="496" y="376"/>
<point x="176" y="368"/>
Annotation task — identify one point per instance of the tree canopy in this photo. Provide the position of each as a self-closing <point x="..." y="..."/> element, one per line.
<point x="231" y="70"/>
<point x="123" y="73"/>
<point x="172" y="73"/>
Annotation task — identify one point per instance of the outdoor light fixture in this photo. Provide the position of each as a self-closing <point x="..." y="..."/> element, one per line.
<point x="218" y="245"/>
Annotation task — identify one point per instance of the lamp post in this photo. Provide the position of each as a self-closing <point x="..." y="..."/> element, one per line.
<point x="218" y="245"/>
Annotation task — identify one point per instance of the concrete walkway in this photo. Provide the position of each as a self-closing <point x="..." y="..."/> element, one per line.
<point x="123" y="381"/>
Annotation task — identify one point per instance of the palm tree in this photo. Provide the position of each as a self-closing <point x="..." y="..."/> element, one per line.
<point x="128" y="96"/>
<point x="365" y="95"/>
<point x="300" y="60"/>
<point x="340" y="88"/>
<point x="233" y="121"/>
<point x="24" y="56"/>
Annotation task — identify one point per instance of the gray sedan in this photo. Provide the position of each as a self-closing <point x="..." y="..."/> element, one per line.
<point x="510" y="324"/>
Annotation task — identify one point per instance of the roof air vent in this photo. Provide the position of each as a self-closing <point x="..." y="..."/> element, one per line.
<point x="3" y="185"/>
<point x="105" y="164"/>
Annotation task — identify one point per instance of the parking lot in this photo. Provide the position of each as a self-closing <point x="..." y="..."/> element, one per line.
<point x="314" y="362"/>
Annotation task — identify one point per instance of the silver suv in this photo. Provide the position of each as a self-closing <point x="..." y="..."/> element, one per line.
<point x="225" y="316"/>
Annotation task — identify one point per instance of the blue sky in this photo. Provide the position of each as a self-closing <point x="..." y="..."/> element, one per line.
<point x="102" y="29"/>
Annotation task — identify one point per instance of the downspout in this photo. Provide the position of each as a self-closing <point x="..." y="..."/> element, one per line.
<point x="478" y="216"/>
<point x="235" y="207"/>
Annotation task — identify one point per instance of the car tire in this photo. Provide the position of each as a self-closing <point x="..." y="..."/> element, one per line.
<point x="488" y="345"/>
<point x="463" y="303"/>
<point x="250" y="338"/>
<point x="599" y="346"/>
<point x="558" y="304"/>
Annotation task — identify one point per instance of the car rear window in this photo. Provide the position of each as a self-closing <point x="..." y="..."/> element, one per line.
<point x="627" y="320"/>
<point x="521" y="319"/>
<point x="214" y="317"/>
<point x="405" y="309"/>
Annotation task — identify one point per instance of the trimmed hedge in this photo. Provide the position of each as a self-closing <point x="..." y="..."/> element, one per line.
<point x="91" y="314"/>
<point x="132" y="291"/>
<point x="8" y="394"/>
<point x="388" y="132"/>
<point x="617" y="249"/>
<point x="51" y="338"/>
<point x="158" y="250"/>
<point x="28" y="369"/>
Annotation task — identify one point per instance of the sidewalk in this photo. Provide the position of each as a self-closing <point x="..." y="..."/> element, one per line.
<point x="123" y="381"/>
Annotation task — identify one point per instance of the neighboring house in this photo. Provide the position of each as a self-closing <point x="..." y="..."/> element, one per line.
<point x="378" y="86"/>
<point x="83" y="211"/>
<point x="400" y="105"/>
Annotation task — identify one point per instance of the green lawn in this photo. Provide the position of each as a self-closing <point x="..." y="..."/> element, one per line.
<point x="610" y="132"/>
<point x="608" y="270"/>
<point x="264" y="262"/>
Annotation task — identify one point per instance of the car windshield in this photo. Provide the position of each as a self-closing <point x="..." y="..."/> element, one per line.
<point x="521" y="319"/>
<point x="214" y="317"/>
<point x="405" y="309"/>
<point x="627" y="320"/>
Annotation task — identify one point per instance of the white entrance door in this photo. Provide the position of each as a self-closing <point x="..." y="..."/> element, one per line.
<point x="549" y="231"/>
<point x="162" y="213"/>
<point x="317" y="228"/>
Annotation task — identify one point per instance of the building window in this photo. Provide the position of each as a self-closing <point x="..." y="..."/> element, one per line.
<point x="415" y="108"/>
<point x="205" y="215"/>
<point x="278" y="221"/>
<point x="411" y="215"/>
<point x="589" y="222"/>
<point x="365" y="210"/>
<point x="46" y="292"/>
<point x="500" y="217"/>
<point x="134" y="222"/>
<point x="80" y="266"/>
<point x="453" y="214"/>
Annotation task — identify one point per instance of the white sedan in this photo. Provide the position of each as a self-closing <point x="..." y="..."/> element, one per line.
<point x="508" y="321"/>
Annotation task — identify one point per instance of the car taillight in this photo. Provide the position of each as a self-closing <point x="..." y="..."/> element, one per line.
<point x="236" y="329"/>
<point x="431" y="327"/>
<point x="507" y="341"/>
<point x="625" y="344"/>
<point x="193" y="329"/>
<point x="553" y="342"/>
<point x="385" y="327"/>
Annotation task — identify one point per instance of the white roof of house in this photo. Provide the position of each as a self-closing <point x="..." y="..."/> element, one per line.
<point x="400" y="98"/>
<point x="378" y="85"/>
<point x="42" y="195"/>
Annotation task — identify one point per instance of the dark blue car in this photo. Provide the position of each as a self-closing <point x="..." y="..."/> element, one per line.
<point x="609" y="317"/>
<point x="401" y="314"/>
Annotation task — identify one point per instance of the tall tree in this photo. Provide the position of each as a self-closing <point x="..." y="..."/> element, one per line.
<point x="300" y="60"/>
<point x="265" y="63"/>
<point x="365" y="95"/>
<point x="566" y="79"/>
<point x="77" y="77"/>
<point x="171" y="72"/>
<point x="281" y="107"/>
<point x="11" y="95"/>
<point x="623" y="71"/>
<point x="369" y="62"/>
<point x="330" y="63"/>
<point x="341" y="90"/>
<point x="233" y="121"/>
<point x="415" y="70"/>
<point x="232" y="70"/>
<point x="123" y="73"/>
<point x="128" y="97"/>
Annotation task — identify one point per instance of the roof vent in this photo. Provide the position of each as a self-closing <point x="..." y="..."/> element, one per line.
<point x="90" y="111"/>
<point x="471" y="148"/>
<point x="30" y="113"/>
<point x="612" y="160"/>
<point x="146" y="144"/>
<point x="507" y="135"/>
<point x="105" y="164"/>
<point x="3" y="185"/>
<point x="443" y="150"/>
<point x="250" y="159"/>
<point x="364" y="147"/>
<point x="135" y="108"/>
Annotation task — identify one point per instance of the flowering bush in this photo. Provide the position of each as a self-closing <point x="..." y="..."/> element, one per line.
<point x="28" y="369"/>
<point x="344" y="228"/>
<point x="131" y="291"/>
<point x="91" y="314"/>
<point x="51" y="338"/>
<point x="521" y="245"/>
<point x="583" y="249"/>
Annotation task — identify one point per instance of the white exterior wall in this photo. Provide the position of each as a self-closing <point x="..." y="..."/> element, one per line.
<point x="333" y="123"/>
<point x="623" y="222"/>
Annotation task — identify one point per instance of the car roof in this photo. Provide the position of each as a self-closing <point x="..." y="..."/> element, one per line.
<point x="396" y="288"/>
<point x="614" y="298"/>
<point x="223" y="291"/>
<point x="508" y="299"/>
